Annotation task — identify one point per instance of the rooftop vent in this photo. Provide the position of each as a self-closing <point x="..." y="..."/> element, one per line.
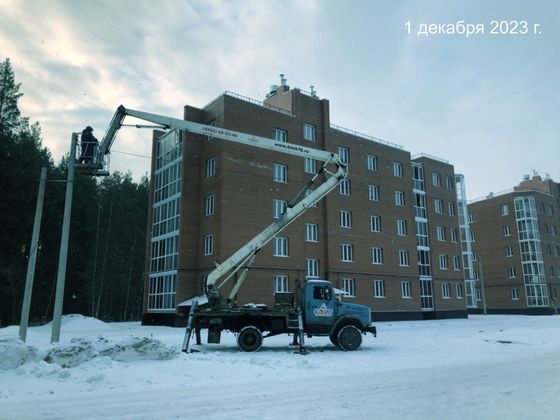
<point x="282" y="79"/>
<point x="526" y="177"/>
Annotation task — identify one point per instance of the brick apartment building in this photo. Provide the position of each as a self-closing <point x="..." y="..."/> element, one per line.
<point x="388" y="235"/>
<point x="516" y="247"/>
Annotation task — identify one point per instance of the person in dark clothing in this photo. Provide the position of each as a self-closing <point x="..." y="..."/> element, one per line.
<point x="89" y="145"/>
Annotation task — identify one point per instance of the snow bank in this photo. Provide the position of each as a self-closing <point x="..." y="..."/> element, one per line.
<point x="14" y="354"/>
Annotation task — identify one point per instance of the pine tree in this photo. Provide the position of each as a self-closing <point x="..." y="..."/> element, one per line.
<point x="9" y="95"/>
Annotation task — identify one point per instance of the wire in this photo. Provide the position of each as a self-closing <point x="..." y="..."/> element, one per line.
<point x="131" y="154"/>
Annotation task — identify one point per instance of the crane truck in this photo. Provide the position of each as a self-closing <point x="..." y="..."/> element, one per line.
<point x="315" y="309"/>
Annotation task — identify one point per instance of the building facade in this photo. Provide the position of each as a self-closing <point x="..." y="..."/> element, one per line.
<point x="516" y="247"/>
<point x="388" y="236"/>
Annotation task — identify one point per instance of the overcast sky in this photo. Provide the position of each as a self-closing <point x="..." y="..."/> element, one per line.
<point x="488" y="103"/>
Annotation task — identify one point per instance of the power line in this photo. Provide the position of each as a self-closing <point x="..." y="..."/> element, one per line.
<point x="131" y="154"/>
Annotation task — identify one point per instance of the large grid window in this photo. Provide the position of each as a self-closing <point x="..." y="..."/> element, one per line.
<point x="424" y="265"/>
<point x="161" y="291"/>
<point x="280" y="284"/>
<point x="166" y="217"/>
<point x="349" y="286"/>
<point x="164" y="254"/>
<point x="309" y="132"/>
<point x="167" y="183"/>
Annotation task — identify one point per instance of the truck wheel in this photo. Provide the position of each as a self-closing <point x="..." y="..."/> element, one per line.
<point x="249" y="338"/>
<point x="334" y="338"/>
<point x="349" y="338"/>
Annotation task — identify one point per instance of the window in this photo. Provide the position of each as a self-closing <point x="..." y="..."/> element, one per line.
<point x="208" y="244"/>
<point x="509" y="251"/>
<point x="514" y="293"/>
<point x="444" y="262"/>
<point x="346" y="253"/>
<point x="507" y="230"/>
<point x="399" y="198"/>
<point x="376" y="255"/>
<point x="280" y="135"/>
<point x="310" y="166"/>
<point x="397" y="169"/>
<point x="311" y="232"/>
<point x="280" y="284"/>
<point x="401" y="228"/>
<point x="504" y="210"/>
<point x="349" y="286"/>
<point x="280" y="173"/>
<point x="472" y="236"/>
<point x="343" y="153"/>
<point x="345" y="219"/>
<point x="405" y="289"/>
<point x="440" y="232"/>
<point x="161" y="293"/>
<point x="511" y="272"/>
<point x="279" y="207"/>
<point x="375" y="223"/>
<point x="280" y="247"/>
<point x="448" y="182"/>
<point x="403" y="258"/>
<point x="372" y="163"/>
<point x="436" y="179"/>
<point x="373" y="192"/>
<point x="445" y="292"/>
<point x="453" y="235"/>
<point x="554" y="230"/>
<point x="459" y="290"/>
<point x="209" y="205"/>
<point x="471" y="218"/>
<point x="378" y="288"/>
<point x="210" y="167"/>
<point x="451" y="208"/>
<point x="312" y="268"/>
<point x="456" y="264"/>
<point x="344" y="187"/>
<point x="546" y="229"/>
<point x="438" y="205"/>
<point x="551" y="271"/>
<point x="309" y="132"/>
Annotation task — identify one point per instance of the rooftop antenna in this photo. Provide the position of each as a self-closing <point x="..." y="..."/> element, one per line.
<point x="282" y="79"/>
<point x="313" y="91"/>
<point x="535" y="173"/>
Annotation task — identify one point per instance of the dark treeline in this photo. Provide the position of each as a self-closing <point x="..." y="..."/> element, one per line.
<point x="107" y="230"/>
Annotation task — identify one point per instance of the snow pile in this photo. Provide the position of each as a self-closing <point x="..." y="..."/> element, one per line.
<point x="14" y="353"/>
<point x="79" y="350"/>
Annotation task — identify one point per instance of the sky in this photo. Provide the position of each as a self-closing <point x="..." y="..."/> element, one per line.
<point x="487" y="103"/>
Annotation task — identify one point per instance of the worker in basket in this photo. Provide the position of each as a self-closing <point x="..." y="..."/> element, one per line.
<point x="89" y="145"/>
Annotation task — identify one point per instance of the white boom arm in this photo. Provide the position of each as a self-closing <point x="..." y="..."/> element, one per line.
<point x="245" y="255"/>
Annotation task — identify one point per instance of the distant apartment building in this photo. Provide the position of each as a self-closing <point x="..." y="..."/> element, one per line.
<point x="516" y="247"/>
<point x="388" y="236"/>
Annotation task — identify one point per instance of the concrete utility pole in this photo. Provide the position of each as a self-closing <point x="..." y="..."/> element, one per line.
<point x="24" y="320"/>
<point x="61" y="276"/>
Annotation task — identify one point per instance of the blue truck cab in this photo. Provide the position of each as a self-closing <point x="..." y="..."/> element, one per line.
<point x="324" y="314"/>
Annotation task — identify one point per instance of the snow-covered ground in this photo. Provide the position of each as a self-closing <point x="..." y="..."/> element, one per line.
<point x="484" y="367"/>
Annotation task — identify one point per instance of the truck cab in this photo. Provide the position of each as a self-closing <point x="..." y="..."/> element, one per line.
<point x="343" y="322"/>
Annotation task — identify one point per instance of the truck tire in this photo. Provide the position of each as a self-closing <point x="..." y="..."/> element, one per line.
<point x="249" y="339"/>
<point x="349" y="338"/>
